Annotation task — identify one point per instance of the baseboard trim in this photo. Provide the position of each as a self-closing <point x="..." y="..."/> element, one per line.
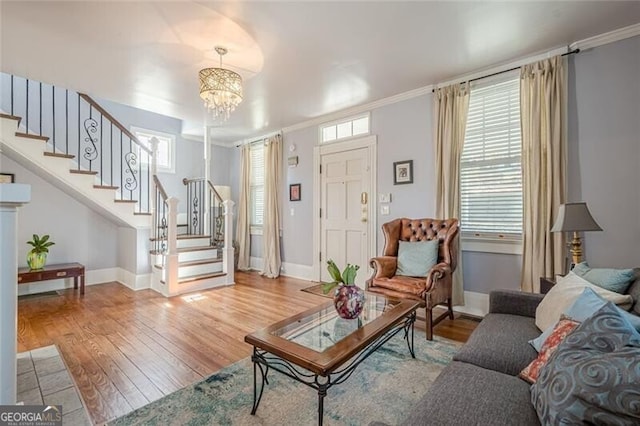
<point x="133" y="281"/>
<point x="476" y="304"/>
<point x="291" y="270"/>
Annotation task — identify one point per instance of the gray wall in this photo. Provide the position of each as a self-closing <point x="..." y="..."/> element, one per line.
<point x="81" y="235"/>
<point x="604" y="148"/>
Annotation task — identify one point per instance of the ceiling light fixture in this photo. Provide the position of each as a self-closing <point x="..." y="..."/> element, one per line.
<point x="220" y="88"/>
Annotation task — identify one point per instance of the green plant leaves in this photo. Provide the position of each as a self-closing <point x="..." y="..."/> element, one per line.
<point x="348" y="276"/>
<point x="40" y="245"/>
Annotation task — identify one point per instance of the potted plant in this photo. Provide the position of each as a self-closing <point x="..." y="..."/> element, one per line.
<point x="37" y="257"/>
<point x="348" y="297"/>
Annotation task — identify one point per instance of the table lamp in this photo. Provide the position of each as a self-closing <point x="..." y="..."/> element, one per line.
<point x="575" y="217"/>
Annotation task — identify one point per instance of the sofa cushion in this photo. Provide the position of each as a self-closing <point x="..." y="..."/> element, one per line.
<point x="565" y="292"/>
<point x="634" y="292"/>
<point x="617" y="280"/>
<point x="593" y="376"/>
<point x="501" y="343"/>
<point x="464" y="394"/>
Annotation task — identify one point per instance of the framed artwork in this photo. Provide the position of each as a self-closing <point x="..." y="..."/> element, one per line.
<point x="402" y="172"/>
<point x="295" y="192"/>
<point x="7" y="178"/>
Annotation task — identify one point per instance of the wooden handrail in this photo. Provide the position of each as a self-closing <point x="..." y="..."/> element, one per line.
<point x="160" y="187"/>
<point x="213" y="189"/>
<point x="115" y="122"/>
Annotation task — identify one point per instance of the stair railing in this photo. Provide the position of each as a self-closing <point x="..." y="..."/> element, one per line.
<point x="160" y="219"/>
<point x="165" y="234"/>
<point x="78" y="127"/>
<point x="200" y="219"/>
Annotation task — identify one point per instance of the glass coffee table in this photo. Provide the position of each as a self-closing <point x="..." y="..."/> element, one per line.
<point x="320" y="349"/>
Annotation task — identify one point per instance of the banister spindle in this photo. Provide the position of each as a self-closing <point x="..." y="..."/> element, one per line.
<point x="40" y="107"/>
<point x="27" y="107"/>
<point x="53" y="114"/>
<point x="12" y="94"/>
<point x="66" y="120"/>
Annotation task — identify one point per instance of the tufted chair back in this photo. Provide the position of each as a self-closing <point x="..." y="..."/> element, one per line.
<point x="404" y="229"/>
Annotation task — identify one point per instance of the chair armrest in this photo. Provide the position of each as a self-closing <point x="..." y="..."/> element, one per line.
<point x="514" y="302"/>
<point x="438" y="272"/>
<point x="384" y="266"/>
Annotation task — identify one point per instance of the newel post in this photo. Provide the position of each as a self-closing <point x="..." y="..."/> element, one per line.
<point x="154" y="191"/>
<point x="172" y="247"/>
<point x="12" y="196"/>
<point x="228" y="250"/>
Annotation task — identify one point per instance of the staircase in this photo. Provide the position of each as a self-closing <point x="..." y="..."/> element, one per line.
<point x="201" y="257"/>
<point x="68" y="139"/>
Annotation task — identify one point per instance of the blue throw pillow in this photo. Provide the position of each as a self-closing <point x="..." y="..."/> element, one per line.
<point x="585" y="306"/>
<point x="415" y="259"/>
<point x="617" y="280"/>
<point x="593" y="376"/>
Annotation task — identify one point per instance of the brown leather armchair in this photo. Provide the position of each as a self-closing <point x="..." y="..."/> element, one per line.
<point x="435" y="288"/>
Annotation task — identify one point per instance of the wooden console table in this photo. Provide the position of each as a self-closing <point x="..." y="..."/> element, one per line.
<point x="54" y="272"/>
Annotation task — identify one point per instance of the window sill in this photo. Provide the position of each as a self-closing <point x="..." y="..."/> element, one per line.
<point x="492" y="245"/>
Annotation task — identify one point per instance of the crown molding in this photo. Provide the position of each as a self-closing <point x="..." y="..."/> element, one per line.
<point x="606" y="38"/>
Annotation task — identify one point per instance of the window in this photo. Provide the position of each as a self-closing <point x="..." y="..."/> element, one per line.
<point x="256" y="151"/>
<point x="490" y="170"/>
<point x="166" y="159"/>
<point x="344" y="129"/>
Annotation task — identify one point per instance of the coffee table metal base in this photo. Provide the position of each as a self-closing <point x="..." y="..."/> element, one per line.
<point x="263" y="361"/>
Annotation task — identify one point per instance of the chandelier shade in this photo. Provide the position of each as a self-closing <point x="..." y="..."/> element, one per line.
<point x="220" y="89"/>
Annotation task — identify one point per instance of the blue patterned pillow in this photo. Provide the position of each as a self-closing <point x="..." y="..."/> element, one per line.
<point x="593" y="376"/>
<point x="617" y="280"/>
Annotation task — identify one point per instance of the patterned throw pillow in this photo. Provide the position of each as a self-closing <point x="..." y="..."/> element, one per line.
<point x="593" y="376"/>
<point x="562" y="329"/>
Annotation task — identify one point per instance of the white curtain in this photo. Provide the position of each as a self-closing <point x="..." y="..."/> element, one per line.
<point x="543" y="114"/>
<point x="451" y="105"/>
<point x="243" y="227"/>
<point x="271" y="221"/>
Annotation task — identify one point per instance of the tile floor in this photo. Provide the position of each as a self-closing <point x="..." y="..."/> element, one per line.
<point x="43" y="379"/>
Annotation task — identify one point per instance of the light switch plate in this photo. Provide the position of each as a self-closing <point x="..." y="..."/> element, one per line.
<point x="385" y="198"/>
<point x="384" y="210"/>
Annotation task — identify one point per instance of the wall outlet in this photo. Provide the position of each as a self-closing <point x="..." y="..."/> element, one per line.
<point x="384" y="198"/>
<point x="384" y="210"/>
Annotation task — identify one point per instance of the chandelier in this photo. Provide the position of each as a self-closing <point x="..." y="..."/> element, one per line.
<point x="220" y="88"/>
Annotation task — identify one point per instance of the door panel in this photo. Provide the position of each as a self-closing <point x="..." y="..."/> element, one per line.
<point x="344" y="224"/>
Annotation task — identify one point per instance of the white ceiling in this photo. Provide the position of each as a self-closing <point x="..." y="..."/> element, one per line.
<point x="300" y="60"/>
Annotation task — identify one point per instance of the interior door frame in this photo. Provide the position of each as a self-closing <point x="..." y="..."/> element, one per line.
<point x="371" y="144"/>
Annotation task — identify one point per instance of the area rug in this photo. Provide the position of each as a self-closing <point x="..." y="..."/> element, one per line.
<point x="317" y="290"/>
<point x="383" y="388"/>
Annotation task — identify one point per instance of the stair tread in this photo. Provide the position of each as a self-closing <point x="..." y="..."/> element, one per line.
<point x="141" y="214"/>
<point x="10" y="117"/>
<point x="30" y="136"/>
<point x="105" y="187"/>
<point x="196" y="262"/>
<point x="125" y="201"/>
<point x="83" y="172"/>
<point x="58" y="155"/>
<point x="188" y="249"/>
<point x="199" y="277"/>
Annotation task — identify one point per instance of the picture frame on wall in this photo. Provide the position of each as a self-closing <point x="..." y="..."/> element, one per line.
<point x="295" y="192"/>
<point x="403" y="172"/>
<point x="7" y="178"/>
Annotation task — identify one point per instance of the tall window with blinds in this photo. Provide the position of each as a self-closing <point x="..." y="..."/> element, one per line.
<point x="257" y="183"/>
<point x="490" y="170"/>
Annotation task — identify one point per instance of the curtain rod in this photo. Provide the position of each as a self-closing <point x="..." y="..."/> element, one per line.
<point x="268" y="135"/>
<point x="571" y="52"/>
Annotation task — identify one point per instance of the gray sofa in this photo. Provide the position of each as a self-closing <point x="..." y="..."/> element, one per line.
<point x="481" y="385"/>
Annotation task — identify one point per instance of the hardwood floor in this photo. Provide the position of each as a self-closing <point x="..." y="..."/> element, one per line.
<point x="126" y="348"/>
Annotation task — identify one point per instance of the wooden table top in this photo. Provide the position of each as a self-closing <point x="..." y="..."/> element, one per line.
<point x="52" y="267"/>
<point x="326" y="361"/>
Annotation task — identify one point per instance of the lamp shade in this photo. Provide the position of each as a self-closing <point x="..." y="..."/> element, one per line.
<point x="574" y="217"/>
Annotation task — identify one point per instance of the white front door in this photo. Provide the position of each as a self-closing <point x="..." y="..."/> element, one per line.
<point x="345" y="200"/>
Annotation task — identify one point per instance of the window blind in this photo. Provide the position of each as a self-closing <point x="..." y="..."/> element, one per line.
<point x="256" y="152"/>
<point x="490" y="170"/>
